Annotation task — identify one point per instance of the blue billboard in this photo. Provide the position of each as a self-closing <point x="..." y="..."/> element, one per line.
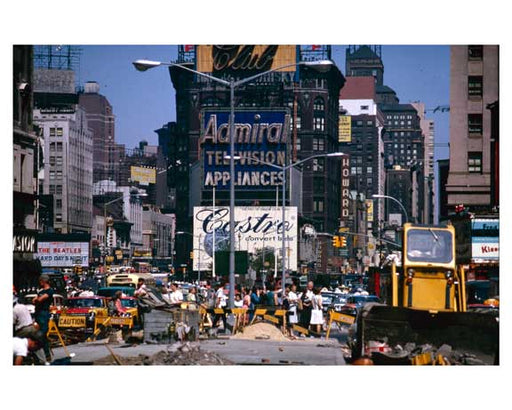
<point x="261" y="141"/>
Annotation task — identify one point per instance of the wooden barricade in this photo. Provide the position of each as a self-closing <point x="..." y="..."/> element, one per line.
<point x="338" y="318"/>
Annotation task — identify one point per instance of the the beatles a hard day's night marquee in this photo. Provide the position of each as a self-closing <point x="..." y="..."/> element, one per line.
<point x="260" y="137"/>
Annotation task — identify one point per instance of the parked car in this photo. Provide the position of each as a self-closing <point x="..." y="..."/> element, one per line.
<point x="81" y="311"/>
<point x="332" y="300"/>
<point x="361" y="300"/>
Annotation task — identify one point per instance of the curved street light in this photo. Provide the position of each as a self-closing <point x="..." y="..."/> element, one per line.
<point x="397" y="201"/>
<point x="321" y="65"/>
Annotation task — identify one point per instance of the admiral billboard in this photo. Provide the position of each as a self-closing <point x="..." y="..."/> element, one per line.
<point x="261" y="136"/>
<point x="256" y="227"/>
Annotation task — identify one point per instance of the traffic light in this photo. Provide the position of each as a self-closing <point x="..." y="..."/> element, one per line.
<point x="336" y="241"/>
<point x="343" y="241"/>
<point x="192" y="255"/>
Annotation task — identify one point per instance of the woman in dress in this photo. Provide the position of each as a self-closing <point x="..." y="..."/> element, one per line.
<point x="317" y="318"/>
<point x="293" y="300"/>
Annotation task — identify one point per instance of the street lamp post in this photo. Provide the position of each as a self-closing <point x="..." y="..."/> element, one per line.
<point x="397" y="201"/>
<point x="143" y="65"/>
<point x="283" y="206"/>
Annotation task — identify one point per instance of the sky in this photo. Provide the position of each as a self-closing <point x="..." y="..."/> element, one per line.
<point x="144" y="101"/>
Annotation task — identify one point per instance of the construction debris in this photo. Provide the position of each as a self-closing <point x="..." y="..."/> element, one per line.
<point x="186" y="354"/>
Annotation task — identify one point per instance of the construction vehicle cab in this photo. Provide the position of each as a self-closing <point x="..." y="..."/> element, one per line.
<point x="430" y="280"/>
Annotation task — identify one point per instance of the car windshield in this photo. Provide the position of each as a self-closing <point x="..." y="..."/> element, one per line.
<point x="363" y="299"/>
<point x="129" y="302"/>
<point x="84" y="303"/>
<point x="327" y="299"/>
<point x="429" y="245"/>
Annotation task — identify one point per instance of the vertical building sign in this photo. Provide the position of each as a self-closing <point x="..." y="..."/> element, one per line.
<point x="369" y="210"/>
<point x="345" y="128"/>
<point x="345" y="187"/>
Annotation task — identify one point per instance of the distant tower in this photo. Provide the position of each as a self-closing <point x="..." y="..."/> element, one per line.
<point x="364" y="61"/>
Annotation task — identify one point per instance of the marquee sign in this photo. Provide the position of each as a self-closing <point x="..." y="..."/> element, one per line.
<point x="63" y="254"/>
<point x="256" y="227"/>
<point x="261" y="136"/>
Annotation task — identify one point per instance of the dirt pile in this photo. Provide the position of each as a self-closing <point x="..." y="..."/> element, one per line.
<point x="261" y="331"/>
<point x="186" y="354"/>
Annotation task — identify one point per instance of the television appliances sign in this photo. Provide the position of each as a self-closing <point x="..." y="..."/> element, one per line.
<point x="260" y="137"/>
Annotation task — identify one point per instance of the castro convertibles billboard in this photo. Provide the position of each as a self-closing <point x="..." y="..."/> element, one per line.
<point x="256" y="227"/>
<point x="260" y="137"/>
<point x="63" y="254"/>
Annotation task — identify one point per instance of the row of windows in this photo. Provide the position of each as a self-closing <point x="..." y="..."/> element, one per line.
<point x="56" y="132"/>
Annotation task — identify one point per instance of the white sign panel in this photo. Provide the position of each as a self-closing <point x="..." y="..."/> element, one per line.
<point x="485" y="248"/>
<point x="255" y="227"/>
<point x="63" y="254"/>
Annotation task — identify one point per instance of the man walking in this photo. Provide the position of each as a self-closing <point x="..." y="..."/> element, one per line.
<point x="42" y="303"/>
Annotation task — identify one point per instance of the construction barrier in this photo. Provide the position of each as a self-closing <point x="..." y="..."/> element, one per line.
<point x="338" y="318"/>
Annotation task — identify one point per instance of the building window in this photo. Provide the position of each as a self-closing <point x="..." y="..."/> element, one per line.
<point x="475" y="162"/>
<point x="60" y="132"/>
<point x="58" y="217"/>
<point x="364" y="108"/>
<point x="369" y="170"/>
<point x="58" y="203"/>
<point x="475" y="86"/>
<point x="475" y="52"/>
<point x="298" y="143"/>
<point x="53" y="132"/>
<point x="297" y="122"/>
<point x="318" y="144"/>
<point x="475" y="126"/>
<point x="319" y="104"/>
<point x="318" y="205"/>
<point x="318" y="164"/>
<point x="319" y="123"/>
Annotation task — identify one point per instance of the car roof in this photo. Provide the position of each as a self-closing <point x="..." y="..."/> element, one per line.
<point x="88" y="297"/>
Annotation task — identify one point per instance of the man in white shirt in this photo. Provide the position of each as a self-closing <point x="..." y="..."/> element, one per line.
<point x="175" y="296"/>
<point x="22" y="320"/>
<point x="22" y="346"/>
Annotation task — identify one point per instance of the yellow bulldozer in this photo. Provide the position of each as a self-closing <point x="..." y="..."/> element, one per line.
<point x="426" y="320"/>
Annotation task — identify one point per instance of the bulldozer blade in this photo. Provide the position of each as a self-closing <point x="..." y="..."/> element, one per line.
<point x="471" y="333"/>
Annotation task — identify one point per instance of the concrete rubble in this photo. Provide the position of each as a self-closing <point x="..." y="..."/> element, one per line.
<point x="178" y="354"/>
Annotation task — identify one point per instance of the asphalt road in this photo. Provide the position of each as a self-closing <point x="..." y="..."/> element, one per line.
<point x="304" y="351"/>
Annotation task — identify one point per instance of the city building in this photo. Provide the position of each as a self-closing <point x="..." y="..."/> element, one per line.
<point x="302" y="101"/>
<point x="404" y="141"/>
<point x="25" y="169"/>
<point x="158" y="232"/>
<point x="67" y="149"/>
<point x="428" y="130"/>
<point x="474" y="88"/>
<point x="122" y="207"/>
<point x="361" y="130"/>
<point x="101" y="120"/>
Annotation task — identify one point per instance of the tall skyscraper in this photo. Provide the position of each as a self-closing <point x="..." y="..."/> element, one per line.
<point x="101" y="121"/>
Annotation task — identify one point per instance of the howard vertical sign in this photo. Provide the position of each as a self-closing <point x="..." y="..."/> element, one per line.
<point x="259" y="137"/>
<point x="345" y="187"/>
